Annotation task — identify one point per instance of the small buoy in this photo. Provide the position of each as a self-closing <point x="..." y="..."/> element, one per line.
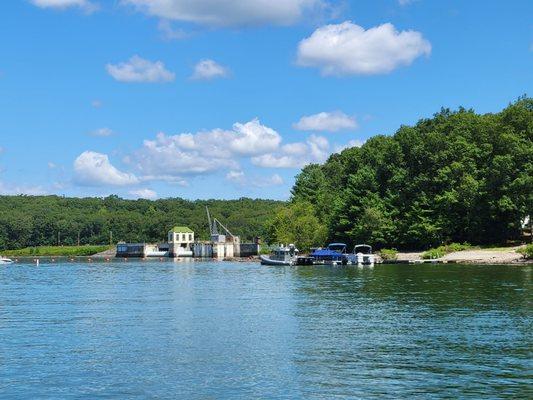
<point x="107" y="259"/>
<point x="53" y="260"/>
<point x="89" y="259"/>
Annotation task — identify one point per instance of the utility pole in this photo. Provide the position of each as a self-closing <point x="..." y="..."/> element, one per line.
<point x="78" y="238"/>
<point x="110" y="238"/>
<point x="58" y="237"/>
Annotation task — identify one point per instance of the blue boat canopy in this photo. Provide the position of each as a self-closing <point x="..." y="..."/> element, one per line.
<point x="325" y="253"/>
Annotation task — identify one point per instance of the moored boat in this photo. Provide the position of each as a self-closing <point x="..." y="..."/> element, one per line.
<point x="4" y="260"/>
<point x="362" y="255"/>
<point x="334" y="254"/>
<point x="282" y="255"/>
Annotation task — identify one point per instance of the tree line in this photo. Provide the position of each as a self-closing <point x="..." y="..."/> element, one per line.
<point x="27" y="221"/>
<point x="456" y="177"/>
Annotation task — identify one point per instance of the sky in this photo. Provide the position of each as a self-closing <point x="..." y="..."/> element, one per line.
<point x="228" y="98"/>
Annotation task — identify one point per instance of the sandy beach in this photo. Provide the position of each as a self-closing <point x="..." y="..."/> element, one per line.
<point x="507" y="255"/>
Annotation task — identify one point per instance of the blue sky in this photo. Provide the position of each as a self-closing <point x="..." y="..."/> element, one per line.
<point x="224" y="99"/>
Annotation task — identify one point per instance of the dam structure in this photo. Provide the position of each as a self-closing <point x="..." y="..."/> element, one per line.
<point x="181" y="243"/>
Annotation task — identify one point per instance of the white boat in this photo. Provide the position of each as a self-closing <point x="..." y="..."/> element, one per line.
<point x="282" y="255"/>
<point x="4" y="260"/>
<point x="362" y="255"/>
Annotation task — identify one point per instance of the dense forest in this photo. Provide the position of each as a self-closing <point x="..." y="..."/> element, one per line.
<point x="49" y="220"/>
<point x="456" y="177"/>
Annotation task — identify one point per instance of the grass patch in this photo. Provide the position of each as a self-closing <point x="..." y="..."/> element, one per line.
<point x="527" y="251"/>
<point x="441" y="251"/>
<point x="388" y="254"/>
<point x="57" y="251"/>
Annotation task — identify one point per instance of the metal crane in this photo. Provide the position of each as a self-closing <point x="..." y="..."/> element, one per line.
<point x="215" y="224"/>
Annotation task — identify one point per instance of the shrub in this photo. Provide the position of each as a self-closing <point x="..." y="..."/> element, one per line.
<point x="431" y="254"/>
<point x="527" y="251"/>
<point x="441" y="251"/>
<point x="452" y="247"/>
<point x="388" y="254"/>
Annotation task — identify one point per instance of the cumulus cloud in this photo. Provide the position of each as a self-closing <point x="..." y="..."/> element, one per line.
<point x="95" y="169"/>
<point x="205" y="151"/>
<point x="316" y="149"/>
<point x="230" y="12"/>
<point x="102" y="132"/>
<point x="96" y="103"/>
<point x="349" y="49"/>
<point x="326" y="121"/>
<point x="175" y="159"/>
<point x="148" y="194"/>
<point x="85" y="5"/>
<point x="137" y="69"/>
<point x="208" y="70"/>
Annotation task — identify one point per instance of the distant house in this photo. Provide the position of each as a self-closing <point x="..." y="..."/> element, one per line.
<point x="180" y="240"/>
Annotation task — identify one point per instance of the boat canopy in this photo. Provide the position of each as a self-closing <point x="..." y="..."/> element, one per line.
<point x="327" y="255"/>
<point x="363" y="248"/>
<point x="337" y="247"/>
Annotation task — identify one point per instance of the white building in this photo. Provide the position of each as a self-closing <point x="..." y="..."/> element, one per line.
<point x="180" y="240"/>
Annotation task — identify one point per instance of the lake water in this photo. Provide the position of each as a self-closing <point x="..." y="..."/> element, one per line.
<point x="208" y="330"/>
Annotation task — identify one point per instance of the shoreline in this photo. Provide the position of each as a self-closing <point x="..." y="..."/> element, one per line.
<point x="403" y="258"/>
<point x="505" y="255"/>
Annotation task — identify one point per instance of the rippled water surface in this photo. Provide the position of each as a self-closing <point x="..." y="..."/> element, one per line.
<point x="192" y="330"/>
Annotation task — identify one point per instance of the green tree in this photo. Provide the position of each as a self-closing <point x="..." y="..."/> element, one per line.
<point x="297" y="223"/>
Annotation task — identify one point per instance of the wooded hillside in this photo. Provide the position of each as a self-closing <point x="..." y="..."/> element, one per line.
<point x="456" y="177"/>
<point x="36" y="221"/>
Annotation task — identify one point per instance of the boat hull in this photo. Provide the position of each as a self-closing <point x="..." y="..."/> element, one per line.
<point x="268" y="261"/>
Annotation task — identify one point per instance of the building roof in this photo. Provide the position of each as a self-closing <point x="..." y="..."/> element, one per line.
<point x="181" y="229"/>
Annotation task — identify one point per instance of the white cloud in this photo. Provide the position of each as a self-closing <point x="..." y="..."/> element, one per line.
<point x="96" y="103"/>
<point x="86" y="5"/>
<point x="208" y="70"/>
<point x="274" y="180"/>
<point x="316" y="149"/>
<point x="137" y="69"/>
<point x="95" y="169"/>
<point x="102" y="132"/>
<point x="169" y="32"/>
<point x="349" y="49"/>
<point x="205" y="151"/>
<point x="253" y="138"/>
<point x="230" y="12"/>
<point x="236" y="177"/>
<point x="351" y="143"/>
<point x="148" y="194"/>
<point x="326" y="121"/>
<point x="52" y="165"/>
<point x="239" y="178"/>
